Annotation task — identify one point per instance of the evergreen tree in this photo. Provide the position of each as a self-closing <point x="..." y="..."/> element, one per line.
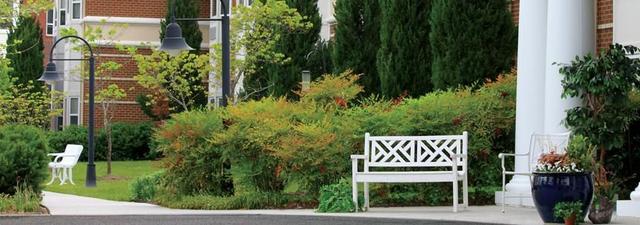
<point x="471" y="40"/>
<point x="190" y="29"/>
<point x="283" y="79"/>
<point x="404" y="57"/>
<point x="25" y="52"/>
<point x="191" y="33"/>
<point x="357" y="39"/>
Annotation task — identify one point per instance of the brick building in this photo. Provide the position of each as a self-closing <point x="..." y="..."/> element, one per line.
<point x="143" y="26"/>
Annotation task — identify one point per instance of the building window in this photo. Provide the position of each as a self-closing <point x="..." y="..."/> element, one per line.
<point x="74" y="111"/>
<point x="76" y="9"/>
<point x="62" y="9"/>
<point x="50" y="22"/>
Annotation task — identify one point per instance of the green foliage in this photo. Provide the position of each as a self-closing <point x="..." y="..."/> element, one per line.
<point x="470" y="41"/>
<point x="23" y="201"/>
<point x="25" y="51"/>
<point x="337" y="198"/>
<point x="282" y="79"/>
<point x="564" y="210"/>
<point x="144" y="188"/>
<point x="191" y="162"/>
<point x="176" y="78"/>
<point x="319" y="59"/>
<point x="130" y="141"/>
<point x="5" y="80"/>
<point x="581" y="152"/>
<point x="23" y="158"/>
<point x="19" y="105"/>
<point x="404" y="58"/>
<point x="279" y="146"/>
<point x="357" y="40"/>
<point x="603" y="84"/>
<point x="253" y="36"/>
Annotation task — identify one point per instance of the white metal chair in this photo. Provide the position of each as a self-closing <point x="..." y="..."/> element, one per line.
<point x="63" y="163"/>
<point x="538" y="144"/>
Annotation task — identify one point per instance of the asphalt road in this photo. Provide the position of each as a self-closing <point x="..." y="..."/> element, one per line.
<point x="214" y="220"/>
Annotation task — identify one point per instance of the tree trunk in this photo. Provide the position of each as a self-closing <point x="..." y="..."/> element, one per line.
<point x="109" y="147"/>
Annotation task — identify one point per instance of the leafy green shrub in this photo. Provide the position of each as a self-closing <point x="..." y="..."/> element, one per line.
<point x="191" y="162"/>
<point x="565" y="210"/>
<point x="337" y="198"/>
<point x="23" y="158"/>
<point x="130" y="141"/>
<point x="144" y="188"/>
<point x="249" y="200"/>
<point x="24" y="200"/>
<point x="279" y="146"/>
<point x="58" y="140"/>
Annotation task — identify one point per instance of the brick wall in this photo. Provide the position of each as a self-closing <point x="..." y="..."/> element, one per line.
<point x="514" y="7"/>
<point x="604" y="23"/>
<point x="134" y="8"/>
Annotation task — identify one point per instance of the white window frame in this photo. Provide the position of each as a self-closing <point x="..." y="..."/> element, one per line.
<point x="63" y="5"/>
<point x="77" y="114"/>
<point x="50" y="13"/>
<point x="73" y="11"/>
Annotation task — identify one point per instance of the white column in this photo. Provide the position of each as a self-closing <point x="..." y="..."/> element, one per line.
<point x="570" y="33"/>
<point x="530" y="87"/>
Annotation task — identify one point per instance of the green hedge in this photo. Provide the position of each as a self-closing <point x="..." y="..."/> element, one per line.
<point x="275" y="145"/>
<point x="23" y="158"/>
<point x="131" y="141"/>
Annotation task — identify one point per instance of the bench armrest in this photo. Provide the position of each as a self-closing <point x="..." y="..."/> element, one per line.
<point x="60" y="155"/>
<point x="54" y="154"/>
<point x="356" y="157"/>
<point x="462" y="156"/>
<point x="502" y="155"/>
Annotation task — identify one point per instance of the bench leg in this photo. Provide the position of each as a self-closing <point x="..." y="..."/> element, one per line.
<point x="64" y="176"/>
<point x="354" y="192"/>
<point x="366" y="196"/>
<point x="504" y="179"/>
<point x="465" y="191"/>
<point x="53" y="175"/>
<point x="71" y="175"/>
<point x="455" y="195"/>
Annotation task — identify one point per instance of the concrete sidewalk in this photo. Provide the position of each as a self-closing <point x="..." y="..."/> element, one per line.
<point x="63" y="204"/>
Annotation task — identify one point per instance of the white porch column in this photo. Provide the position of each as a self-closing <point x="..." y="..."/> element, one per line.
<point x="532" y="35"/>
<point x="570" y="33"/>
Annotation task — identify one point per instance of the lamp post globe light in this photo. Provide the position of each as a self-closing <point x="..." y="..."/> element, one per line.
<point x="174" y="42"/>
<point x="51" y="75"/>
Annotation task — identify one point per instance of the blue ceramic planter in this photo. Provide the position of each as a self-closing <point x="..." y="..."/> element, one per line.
<point x="550" y="188"/>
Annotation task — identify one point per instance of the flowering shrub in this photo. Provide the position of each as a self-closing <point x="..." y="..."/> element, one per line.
<point x="579" y="158"/>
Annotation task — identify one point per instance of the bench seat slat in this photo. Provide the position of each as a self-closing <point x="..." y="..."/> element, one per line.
<point x="407" y="177"/>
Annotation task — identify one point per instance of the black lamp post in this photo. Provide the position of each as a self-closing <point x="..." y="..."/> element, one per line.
<point x="50" y="74"/>
<point x="174" y="42"/>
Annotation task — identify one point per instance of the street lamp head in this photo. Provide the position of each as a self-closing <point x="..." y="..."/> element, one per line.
<point x="173" y="42"/>
<point x="50" y="74"/>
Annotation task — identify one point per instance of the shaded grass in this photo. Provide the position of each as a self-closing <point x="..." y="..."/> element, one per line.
<point x="114" y="187"/>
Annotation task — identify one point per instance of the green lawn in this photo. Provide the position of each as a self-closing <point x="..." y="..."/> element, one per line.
<point x="115" y="187"/>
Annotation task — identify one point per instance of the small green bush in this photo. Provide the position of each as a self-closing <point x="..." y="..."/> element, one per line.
<point x="23" y="158"/>
<point x="564" y="210"/>
<point x="191" y="162"/>
<point x="338" y="198"/>
<point x="130" y="141"/>
<point x="144" y="188"/>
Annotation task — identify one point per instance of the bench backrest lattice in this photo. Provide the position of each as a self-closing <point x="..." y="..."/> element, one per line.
<point x="414" y="151"/>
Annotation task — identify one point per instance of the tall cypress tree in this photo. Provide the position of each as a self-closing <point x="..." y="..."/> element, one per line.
<point x="25" y="51"/>
<point x="404" y="57"/>
<point x="190" y="29"/>
<point x="471" y="40"/>
<point x="283" y="79"/>
<point x="357" y="39"/>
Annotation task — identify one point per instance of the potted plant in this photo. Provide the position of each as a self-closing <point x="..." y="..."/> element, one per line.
<point x="603" y="85"/>
<point x="564" y="177"/>
<point x="569" y="212"/>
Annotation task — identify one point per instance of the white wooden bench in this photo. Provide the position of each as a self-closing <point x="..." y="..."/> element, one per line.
<point x="431" y="158"/>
